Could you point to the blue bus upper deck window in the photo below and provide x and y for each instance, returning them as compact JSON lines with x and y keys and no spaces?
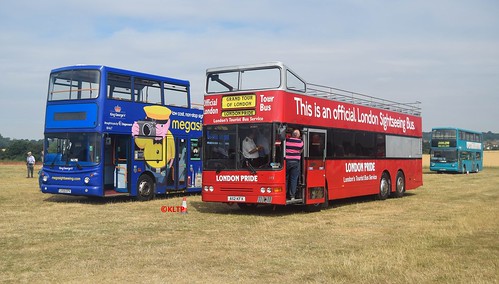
{"x":147,"y":91}
{"x":176,"y":95}
{"x":74,"y":85}
{"x":119,"y":87}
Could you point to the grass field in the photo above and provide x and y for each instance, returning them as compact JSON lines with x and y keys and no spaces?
{"x":446,"y":231}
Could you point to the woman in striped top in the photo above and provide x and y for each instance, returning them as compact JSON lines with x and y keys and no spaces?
{"x":294,"y":148}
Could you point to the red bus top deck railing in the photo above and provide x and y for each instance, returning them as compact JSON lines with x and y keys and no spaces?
{"x":317,"y":90}
{"x":361,"y":99}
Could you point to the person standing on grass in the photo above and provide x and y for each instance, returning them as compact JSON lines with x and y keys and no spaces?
{"x":294,"y":148}
{"x":30,"y":164}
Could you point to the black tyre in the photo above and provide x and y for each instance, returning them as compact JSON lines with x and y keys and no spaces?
{"x":385,"y":187}
{"x":325,"y":205}
{"x":145,"y":188}
{"x":318,"y":206}
{"x":399,"y":185}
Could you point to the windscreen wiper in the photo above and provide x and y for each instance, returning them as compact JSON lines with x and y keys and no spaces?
{"x":248,"y":164}
{"x":78,"y":165}
{"x":70,"y":159}
{"x":250,"y":167}
{"x":219,"y":168}
{"x":53,"y":163}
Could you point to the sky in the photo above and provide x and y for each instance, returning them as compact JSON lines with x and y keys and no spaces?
{"x":442,"y":53}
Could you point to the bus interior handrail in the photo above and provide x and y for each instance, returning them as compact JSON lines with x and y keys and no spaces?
{"x":197,"y":105}
{"x":74,"y":90}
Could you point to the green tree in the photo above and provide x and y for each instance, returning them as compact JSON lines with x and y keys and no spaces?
{"x":4,"y":142}
{"x":16,"y":150}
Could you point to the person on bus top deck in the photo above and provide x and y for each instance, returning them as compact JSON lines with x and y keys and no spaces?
{"x":294,"y":148}
{"x":250,"y":149}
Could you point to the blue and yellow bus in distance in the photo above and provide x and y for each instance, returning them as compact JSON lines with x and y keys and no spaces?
{"x":112,"y":132}
{"x":456,"y":150}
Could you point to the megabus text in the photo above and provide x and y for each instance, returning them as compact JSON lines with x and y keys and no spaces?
{"x":187,"y":126}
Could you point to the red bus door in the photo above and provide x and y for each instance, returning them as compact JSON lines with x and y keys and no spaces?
{"x":314,"y":165}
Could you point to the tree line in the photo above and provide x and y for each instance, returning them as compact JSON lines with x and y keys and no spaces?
{"x":17,"y":149}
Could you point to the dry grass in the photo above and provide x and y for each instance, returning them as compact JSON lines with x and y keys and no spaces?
{"x":446,"y":231}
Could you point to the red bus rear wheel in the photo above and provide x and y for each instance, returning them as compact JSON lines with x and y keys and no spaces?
{"x":399,"y":185}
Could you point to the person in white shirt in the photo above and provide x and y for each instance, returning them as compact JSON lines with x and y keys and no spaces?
{"x":250,"y":149}
{"x":30,"y":165}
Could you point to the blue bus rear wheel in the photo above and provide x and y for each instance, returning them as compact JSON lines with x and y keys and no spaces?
{"x":145,"y":188}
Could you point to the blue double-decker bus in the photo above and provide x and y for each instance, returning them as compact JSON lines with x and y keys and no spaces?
{"x":111,"y":132}
{"x":456,"y":150}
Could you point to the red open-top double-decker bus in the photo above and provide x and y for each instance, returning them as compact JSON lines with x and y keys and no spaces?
{"x":354,"y":144}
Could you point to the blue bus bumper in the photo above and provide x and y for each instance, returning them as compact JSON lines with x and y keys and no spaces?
{"x":451,"y":167}
{"x":73,"y":190}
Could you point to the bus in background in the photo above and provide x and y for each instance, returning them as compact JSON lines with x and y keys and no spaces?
{"x":354,"y":144}
{"x":456,"y":150}
{"x":112,"y":132}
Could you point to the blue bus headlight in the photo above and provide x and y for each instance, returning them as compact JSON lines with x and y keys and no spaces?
{"x":86,"y":180}
{"x":45,"y":177}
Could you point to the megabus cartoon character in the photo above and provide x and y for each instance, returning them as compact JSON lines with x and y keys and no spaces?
{"x":153,"y":136}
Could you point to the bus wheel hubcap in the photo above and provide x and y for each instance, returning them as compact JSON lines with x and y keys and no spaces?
{"x":384,"y":187}
{"x":400,"y":185}
{"x":144,"y":188}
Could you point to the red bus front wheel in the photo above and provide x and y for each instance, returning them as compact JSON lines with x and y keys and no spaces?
{"x":384,"y":187}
